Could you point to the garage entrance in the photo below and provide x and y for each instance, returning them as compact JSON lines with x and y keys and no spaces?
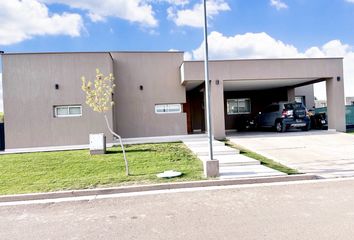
{"x":278,"y":77}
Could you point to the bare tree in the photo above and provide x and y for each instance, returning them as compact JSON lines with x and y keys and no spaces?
{"x":99,"y":98}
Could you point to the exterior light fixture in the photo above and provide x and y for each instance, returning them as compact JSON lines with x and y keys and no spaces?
{"x":338,"y":79}
{"x":217,"y":82}
{"x":56,"y":86}
{"x":141,"y":87}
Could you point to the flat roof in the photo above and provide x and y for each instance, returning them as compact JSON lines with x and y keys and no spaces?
{"x":90,"y":52}
{"x":261,"y":59}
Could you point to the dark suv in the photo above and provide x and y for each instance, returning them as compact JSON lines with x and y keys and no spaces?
{"x":285,"y":115}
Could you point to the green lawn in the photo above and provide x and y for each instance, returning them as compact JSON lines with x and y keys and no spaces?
{"x":52,"y":171}
{"x":264,"y":161}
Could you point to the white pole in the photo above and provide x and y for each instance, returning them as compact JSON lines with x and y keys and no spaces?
{"x":207,"y":84}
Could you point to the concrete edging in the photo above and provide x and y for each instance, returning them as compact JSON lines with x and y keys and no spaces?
{"x":153,"y":187}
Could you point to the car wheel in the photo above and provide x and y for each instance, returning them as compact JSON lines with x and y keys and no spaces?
{"x":279,"y":126}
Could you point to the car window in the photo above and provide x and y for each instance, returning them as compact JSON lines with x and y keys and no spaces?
{"x":292,"y":106}
{"x":271,"y":108}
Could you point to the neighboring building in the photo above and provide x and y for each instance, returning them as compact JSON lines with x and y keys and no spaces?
{"x":323,"y":103}
{"x":349,"y":101}
{"x":157,"y":94}
{"x":320,"y":103}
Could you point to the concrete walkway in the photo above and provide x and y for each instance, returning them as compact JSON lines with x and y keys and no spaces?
{"x":233,"y":165}
{"x":327,"y":154}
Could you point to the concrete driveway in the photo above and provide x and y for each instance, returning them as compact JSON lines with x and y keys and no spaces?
{"x":327,"y":154}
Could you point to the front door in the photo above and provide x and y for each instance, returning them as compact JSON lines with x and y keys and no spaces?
{"x":195,"y":111}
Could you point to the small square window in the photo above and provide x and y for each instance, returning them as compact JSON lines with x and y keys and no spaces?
{"x":62,"y":111}
{"x":75,"y":110}
{"x":168,"y":108}
{"x":67,"y":111}
{"x":238,"y":106}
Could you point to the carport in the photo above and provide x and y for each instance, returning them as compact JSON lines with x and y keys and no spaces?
{"x":278,"y":76}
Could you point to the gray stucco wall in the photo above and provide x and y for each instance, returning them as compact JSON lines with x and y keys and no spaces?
{"x":308,"y":92}
{"x":134,"y":111}
{"x":29,"y":96}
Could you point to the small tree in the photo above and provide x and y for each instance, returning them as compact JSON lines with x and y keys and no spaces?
{"x":99,"y":98}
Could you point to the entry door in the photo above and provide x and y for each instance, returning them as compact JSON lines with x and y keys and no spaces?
{"x":196,"y":119}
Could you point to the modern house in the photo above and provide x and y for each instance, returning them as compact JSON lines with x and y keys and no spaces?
{"x":157,"y":94}
{"x":349,"y":101}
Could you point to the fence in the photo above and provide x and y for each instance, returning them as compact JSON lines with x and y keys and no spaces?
{"x":349,"y":114}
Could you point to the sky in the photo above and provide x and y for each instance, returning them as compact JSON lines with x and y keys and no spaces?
{"x":238,"y":29}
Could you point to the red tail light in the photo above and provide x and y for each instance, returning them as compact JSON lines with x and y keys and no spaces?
{"x":284,"y":114}
{"x":287,"y":113}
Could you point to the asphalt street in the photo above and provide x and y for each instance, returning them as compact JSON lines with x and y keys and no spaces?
{"x":313,"y":210}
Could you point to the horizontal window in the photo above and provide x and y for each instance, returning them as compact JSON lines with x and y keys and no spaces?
{"x":238,"y":106}
{"x":168,"y":108}
{"x":68,"y":111}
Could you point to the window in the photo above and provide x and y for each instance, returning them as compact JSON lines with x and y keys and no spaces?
{"x":238,"y":106}
{"x":271,"y":108}
{"x":67,"y":111}
{"x":168,"y":108}
{"x":300,"y":99}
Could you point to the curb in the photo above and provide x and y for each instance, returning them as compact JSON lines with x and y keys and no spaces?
{"x":154,"y":187}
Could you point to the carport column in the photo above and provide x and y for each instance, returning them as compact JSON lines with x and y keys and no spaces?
{"x":291,"y":94}
{"x":335,"y":103}
{"x":217,"y":104}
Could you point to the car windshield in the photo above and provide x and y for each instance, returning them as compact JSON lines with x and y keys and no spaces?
{"x":292,"y":106}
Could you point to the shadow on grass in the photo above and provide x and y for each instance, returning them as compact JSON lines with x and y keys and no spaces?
{"x":154,"y":174}
{"x":130,"y":151}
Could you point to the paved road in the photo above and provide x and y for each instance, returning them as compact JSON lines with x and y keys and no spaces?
{"x":297,"y":211}
{"x":325,"y":153}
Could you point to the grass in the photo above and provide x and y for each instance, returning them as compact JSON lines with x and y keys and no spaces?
{"x":264,"y":161}
{"x":53,"y":171}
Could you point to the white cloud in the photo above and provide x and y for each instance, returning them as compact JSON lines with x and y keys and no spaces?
{"x":350,"y":1}
{"x":261,"y":45}
{"x":173,"y":2}
{"x":278,"y":4}
{"x":194,"y":17}
{"x":138,"y":11}
{"x":249,"y":45}
{"x":21,"y":20}
{"x":187,"y":56}
{"x":336,"y":48}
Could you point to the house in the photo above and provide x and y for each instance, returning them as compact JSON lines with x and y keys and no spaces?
{"x":349,"y":101}
{"x":320,"y":103}
{"x":157,"y":94}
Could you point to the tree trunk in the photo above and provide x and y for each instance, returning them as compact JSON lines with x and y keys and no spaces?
{"x":121,"y":144}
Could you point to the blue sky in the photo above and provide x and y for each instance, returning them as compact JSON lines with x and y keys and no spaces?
{"x":237,"y":28}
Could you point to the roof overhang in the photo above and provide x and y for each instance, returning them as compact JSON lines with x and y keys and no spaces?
{"x":246,"y":75}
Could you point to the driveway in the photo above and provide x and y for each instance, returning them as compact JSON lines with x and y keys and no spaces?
{"x":327,"y":154}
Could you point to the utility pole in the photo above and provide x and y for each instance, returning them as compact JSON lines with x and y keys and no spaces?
{"x":207,"y":83}
{"x":211,"y":166}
